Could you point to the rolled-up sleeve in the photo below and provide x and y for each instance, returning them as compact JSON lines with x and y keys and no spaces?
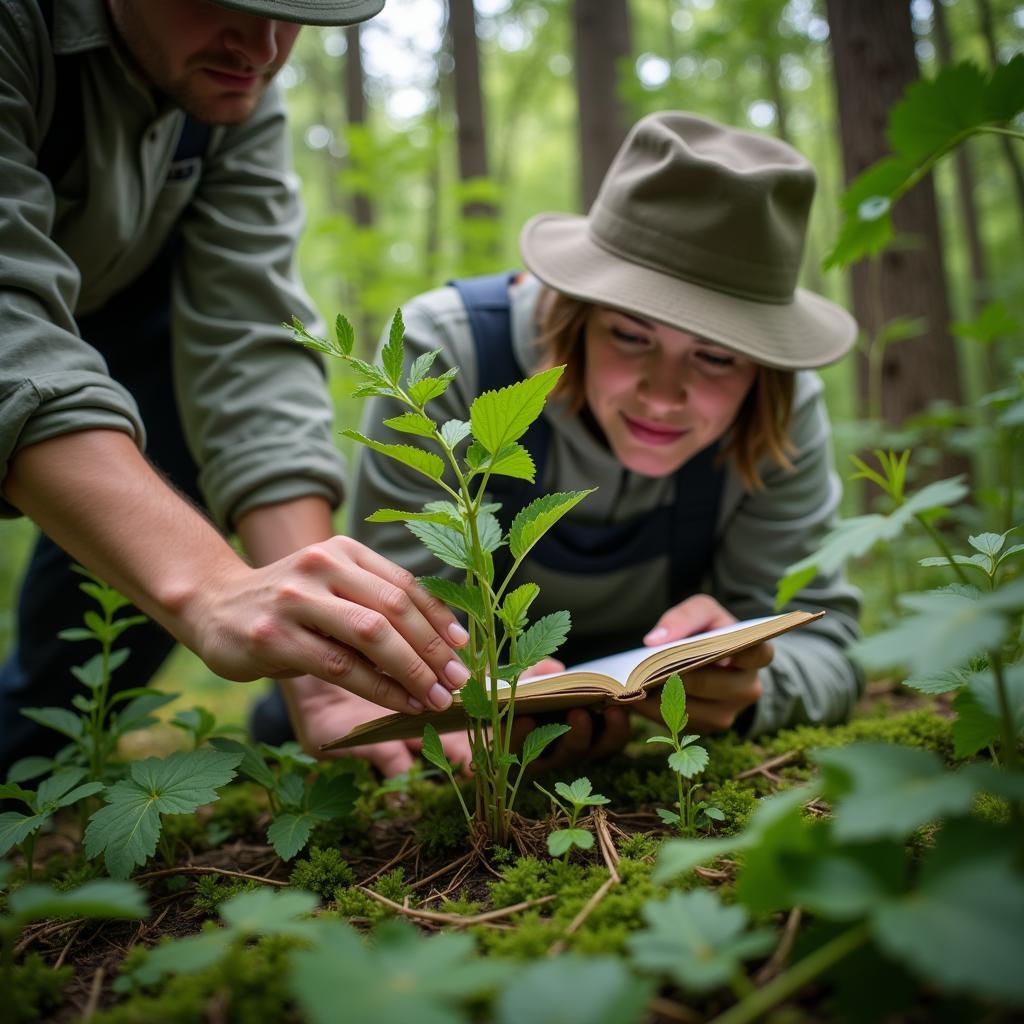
{"x":51,"y":382}
{"x":810,"y":679}
{"x":255,"y":406}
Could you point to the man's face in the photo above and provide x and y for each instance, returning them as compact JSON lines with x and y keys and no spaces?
{"x":213,"y":63}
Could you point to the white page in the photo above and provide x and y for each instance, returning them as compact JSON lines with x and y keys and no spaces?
{"x":618,"y":666}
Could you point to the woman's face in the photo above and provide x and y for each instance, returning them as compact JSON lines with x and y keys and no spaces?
{"x":660,"y":395}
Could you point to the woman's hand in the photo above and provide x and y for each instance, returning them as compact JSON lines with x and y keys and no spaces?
{"x":715,"y":694}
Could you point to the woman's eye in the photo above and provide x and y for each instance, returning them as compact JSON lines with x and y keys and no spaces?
{"x":624,"y":336}
{"x":716,"y":360}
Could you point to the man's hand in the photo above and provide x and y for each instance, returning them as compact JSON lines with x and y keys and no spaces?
{"x":715,"y":694}
{"x":321,"y":713}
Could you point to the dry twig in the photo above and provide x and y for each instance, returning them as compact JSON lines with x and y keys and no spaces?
{"x":394,"y":860}
{"x":457,"y":920}
{"x":777,"y":961}
{"x":201,"y":869}
{"x":674,"y":1011}
{"x":765,"y":768}
{"x":94,"y":993}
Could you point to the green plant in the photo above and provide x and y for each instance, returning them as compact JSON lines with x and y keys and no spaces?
{"x":322,"y":872}
{"x":688,"y":760}
{"x":298,"y":800}
{"x":100,"y":723}
{"x":126,"y":830}
{"x":61,"y":789}
{"x":579,"y":796}
{"x":463,"y":532}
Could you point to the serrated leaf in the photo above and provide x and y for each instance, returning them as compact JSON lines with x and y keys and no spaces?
{"x":429,"y":388}
{"x":573,"y":990}
{"x":392,"y":354}
{"x":427,"y":463}
{"x":936,"y":682}
{"x":884,"y":791}
{"x":1005,"y":89}
{"x":397,"y":515}
{"x":974,"y":728}
{"x":433,"y":751}
{"x":543,"y":638}
{"x":458,"y":595}
{"x":345,"y":334}
{"x":980,"y":713}
{"x":445,"y":543}
{"x":412,"y":423}
{"x":517,"y":603}
{"x":291,"y":790}
{"x":537,"y":740}
{"x":289,"y":832}
{"x":251,"y":766}
{"x":455,"y":432}
{"x":988,"y":543}
{"x":861,"y":235}
{"x":15,"y":828}
{"x":514,"y":461}
{"x":696,"y":940}
{"x":125,"y":831}
{"x":137,"y":713}
{"x":532,"y":522}
{"x":421,"y":366}
{"x":689,"y":761}
{"x":576,"y":793}
{"x":474,"y":699}
{"x":501,"y":417}
{"x":331,"y":797}
{"x":565,"y":839}
{"x":673,"y":704}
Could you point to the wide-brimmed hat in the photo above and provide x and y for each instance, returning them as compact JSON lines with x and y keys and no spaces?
{"x":701,"y":227}
{"x":308,"y":12}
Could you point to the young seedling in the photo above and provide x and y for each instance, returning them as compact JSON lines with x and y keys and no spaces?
{"x":101,"y":722}
{"x":462,"y":531}
{"x":578,"y":796}
{"x":688,"y":759}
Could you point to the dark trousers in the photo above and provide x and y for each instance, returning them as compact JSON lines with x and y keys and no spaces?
{"x":132,"y":332}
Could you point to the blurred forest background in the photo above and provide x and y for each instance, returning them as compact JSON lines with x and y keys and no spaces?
{"x":425,"y":138}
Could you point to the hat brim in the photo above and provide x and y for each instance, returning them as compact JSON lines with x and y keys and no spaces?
{"x":308,"y":12}
{"x":808,"y":332}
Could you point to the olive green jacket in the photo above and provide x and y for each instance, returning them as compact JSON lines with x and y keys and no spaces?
{"x":254,"y":406}
{"x":758,"y":534}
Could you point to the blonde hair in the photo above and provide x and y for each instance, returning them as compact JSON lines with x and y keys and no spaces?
{"x":761,"y":428}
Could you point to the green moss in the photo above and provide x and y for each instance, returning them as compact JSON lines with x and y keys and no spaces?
{"x":992,"y":808}
{"x":525,"y":879}
{"x":38,"y":990}
{"x":211,"y":891}
{"x":737,"y":802}
{"x":640,"y":846}
{"x":461,"y":905}
{"x":393,"y":885}
{"x":322,"y":872}
{"x":442,"y":829}
{"x":351,"y":903}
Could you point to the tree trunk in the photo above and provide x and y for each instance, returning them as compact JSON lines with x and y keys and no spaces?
{"x":874,"y":62}
{"x":355,"y":107}
{"x":602,"y":41}
{"x":1012,"y":162}
{"x":478,"y":246}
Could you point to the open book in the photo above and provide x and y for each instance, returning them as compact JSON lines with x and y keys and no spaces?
{"x":617,"y":679}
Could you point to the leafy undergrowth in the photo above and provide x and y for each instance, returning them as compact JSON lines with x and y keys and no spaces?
{"x":403,"y":854}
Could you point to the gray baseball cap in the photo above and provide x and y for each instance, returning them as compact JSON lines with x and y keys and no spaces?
{"x":308,"y":12}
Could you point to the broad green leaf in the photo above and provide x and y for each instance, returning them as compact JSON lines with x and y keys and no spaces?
{"x":573,"y":990}
{"x":183,"y":956}
{"x":421,"y":366}
{"x":989,"y":543}
{"x":689,"y":761}
{"x":455,"y":432}
{"x":125,"y":831}
{"x":474,"y":699}
{"x":1005,"y":89}
{"x":412,"y":423}
{"x":251,"y":765}
{"x":884,"y":791}
{"x":515,"y":461}
{"x":27,"y":768}
{"x":537,"y":740}
{"x":433,"y":751}
{"x":979,"y":712}
{"x":543,"y":638}
{"x":936,"y":682}
{"x":15,"y":828}
{"x":673,"y":704}
{"x":12,"y":791}
{"x":291,"y":790}
{"x":101,"y":898}
{"x":667,"y":740}
{"x":532,"y":522}
{"x":427,"y":463}
{"x":391,"y":355}
{"x":669,"y":817}
{"x":971,"y":561}
{"x":863,"y":231}
{"x":974,"y":728}
{"x":397,"y":515}
{"x":458,"y":595}
{"x":577,"y":793}
{"x":429,"y":388}
{"x":404,"y":976}
{"x":565,"y":839}
{"x":961,"y":930}
{"x":59,"y":719}
{"x":138,"y":713}
{"x":270,"y":911}
{"x":696,"y":940}
{"x":517,"y":603}
{"x":443,"y":542}
{"x":289,"y":832}
{"x":332,"y":797}
{"x":501,"y":417}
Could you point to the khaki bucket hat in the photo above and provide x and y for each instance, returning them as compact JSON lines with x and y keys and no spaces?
{"x":308,"y":12}
{"x":700,"y":227}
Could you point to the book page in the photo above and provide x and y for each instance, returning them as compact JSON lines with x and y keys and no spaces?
{"x":619,"y":666}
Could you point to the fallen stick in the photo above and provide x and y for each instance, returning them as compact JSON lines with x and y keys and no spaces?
{"x":457,"y":920}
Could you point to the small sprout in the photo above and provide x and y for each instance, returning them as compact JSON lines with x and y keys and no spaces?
{"x":578,"y":795}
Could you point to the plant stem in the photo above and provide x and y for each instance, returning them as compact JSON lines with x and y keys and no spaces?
{"x":758,"y":1003}
{"x":944,"y":548}
{"x":1005,"y":712}
{"x":29,"y":850}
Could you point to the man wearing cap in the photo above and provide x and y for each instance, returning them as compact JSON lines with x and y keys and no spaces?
{"x":148,"y":224}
